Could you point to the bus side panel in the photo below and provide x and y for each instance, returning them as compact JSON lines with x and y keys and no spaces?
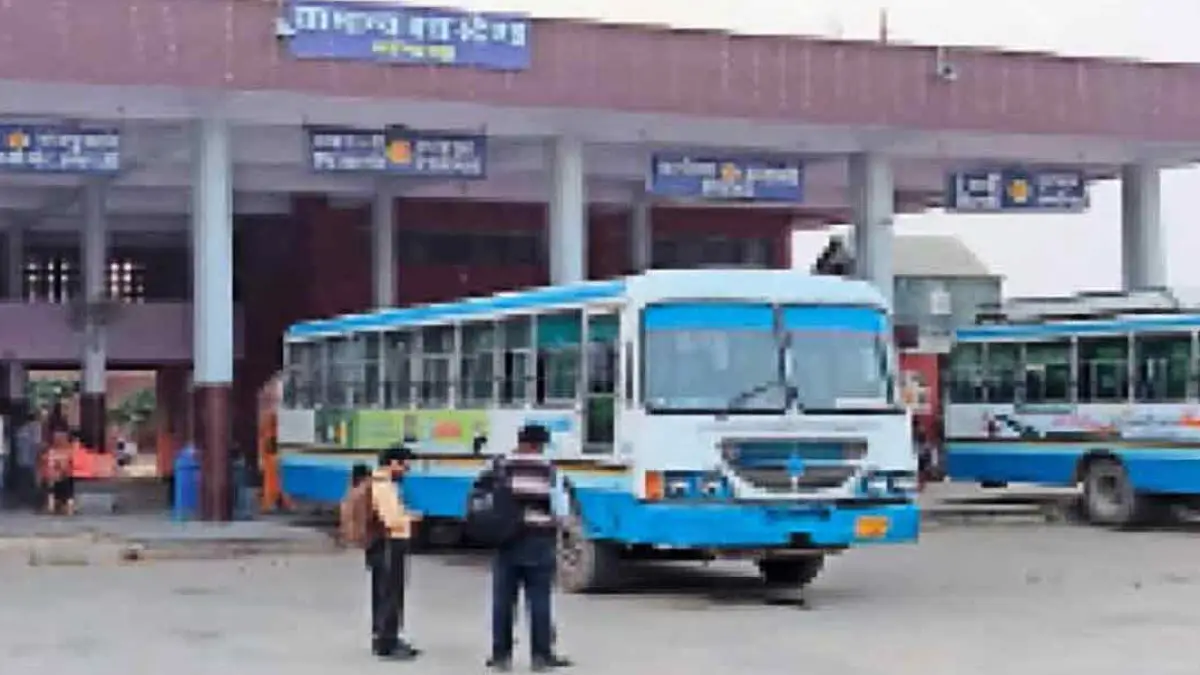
{"x":1163,"y":470}
{"x":1013,"y":462}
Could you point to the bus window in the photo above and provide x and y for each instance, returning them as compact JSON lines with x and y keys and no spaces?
{"x":516,"y":373}
{"x":301,"y":375}
{"x":966,"y":373}
{"x":1000,"y":377}
{"x":1103,"y":369}
{"x":437,"y":350}
{"x":476,"y":365}
{"x":558,"y":338}
{"x":601,"y":387}
{"x":372,"y":395}
{"x":347,"y":357}
{"x":1048,"y":372}
{"x":397,"y":383}
{"x":1163,"y":366}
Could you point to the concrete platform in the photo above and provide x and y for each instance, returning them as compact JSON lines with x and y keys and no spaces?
{"x":88,"y":540}
{"x":965,"y":503}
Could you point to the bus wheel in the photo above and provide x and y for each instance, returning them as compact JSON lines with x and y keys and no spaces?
{"x":1109,"y":498}
{"x":797,"y":572}
{"x":585,"y":565}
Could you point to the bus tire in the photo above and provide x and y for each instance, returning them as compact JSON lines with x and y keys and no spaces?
{"x":794,"y":572}
{"x":1110,"y":500}
{"x":586,"y":565}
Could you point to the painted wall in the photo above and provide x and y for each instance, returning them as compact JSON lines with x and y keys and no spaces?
{"x":151,"y":333}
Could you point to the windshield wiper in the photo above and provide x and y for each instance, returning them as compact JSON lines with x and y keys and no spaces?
{"x":738,"y":399}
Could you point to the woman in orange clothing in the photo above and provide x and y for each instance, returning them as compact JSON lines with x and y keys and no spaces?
{"x":58,"y":474}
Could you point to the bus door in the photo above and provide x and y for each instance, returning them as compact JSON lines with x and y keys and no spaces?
{"x":600,"y":360}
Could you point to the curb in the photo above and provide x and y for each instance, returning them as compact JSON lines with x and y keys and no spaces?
{"x":93,"y":551}
{"x":1032,"y":513}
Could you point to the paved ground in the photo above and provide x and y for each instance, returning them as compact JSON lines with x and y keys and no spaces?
{"x":1023,"y":600}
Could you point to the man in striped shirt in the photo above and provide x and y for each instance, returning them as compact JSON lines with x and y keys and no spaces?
{"x":528,"y":560}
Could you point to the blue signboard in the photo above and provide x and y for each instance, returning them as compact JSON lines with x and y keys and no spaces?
{"x":690,"y":177}
{"x":51,"y":149}
{"x":393,"y":33}
{"x":400,"y":152}
{"x":994,"y":190}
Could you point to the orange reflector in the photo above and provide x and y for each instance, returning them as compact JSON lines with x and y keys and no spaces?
{"x":654,"y":485}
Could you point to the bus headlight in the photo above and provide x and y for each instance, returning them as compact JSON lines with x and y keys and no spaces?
{"x":677,"y":489}
{"x":713,"y":488}
{"x":903,"y":483}
{"x":876,"y":484}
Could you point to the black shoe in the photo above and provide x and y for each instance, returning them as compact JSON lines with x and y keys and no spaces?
{"x":500,"y":664}
{"x":401,"y":651}
{"x":548,"y":663}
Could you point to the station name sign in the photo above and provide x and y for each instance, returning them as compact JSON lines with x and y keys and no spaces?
{"x":394,"y":33}
{"x":50,"y":149}
{"x":399,"y":152}
{"x":1018,"y":189}
{"x":683,"y":176}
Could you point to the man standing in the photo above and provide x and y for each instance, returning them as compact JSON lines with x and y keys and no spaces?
{"x":527,"y":559}
{"x":388,"y":529}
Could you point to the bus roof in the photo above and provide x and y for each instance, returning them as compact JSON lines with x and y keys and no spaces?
{"x":1111,"y":326}
{"x":764,"y":285}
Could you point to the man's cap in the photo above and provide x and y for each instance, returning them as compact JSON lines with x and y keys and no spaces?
{"x":534,"y":434}
{"x":396,"y":453}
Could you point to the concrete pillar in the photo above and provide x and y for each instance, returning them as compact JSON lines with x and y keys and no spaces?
{"x":14,"y":264}
{"x":93,"y":422}
{"x":641,"y":234}
{"x":212,"y":324}
{"x":872,"y":200}
{"x":14,"y":284}
{"x":1143,"y":260}
{"x":568,"y":212}
{"x":383,"y":247}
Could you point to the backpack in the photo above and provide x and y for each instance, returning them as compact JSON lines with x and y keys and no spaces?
{"x":354,"y":517}
{"x":494,"y":518}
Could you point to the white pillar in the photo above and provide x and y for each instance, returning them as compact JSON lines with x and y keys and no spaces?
{"x":568,"y":212}
{"x":1143,"y":261}
{"x":95,"y":288}
{"x":383,"y":247}
{"x":872,"y":200}
{"x":212,"y":255}
{"x":641,"y":234}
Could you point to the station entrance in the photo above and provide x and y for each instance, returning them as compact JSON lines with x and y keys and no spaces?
{"x":245,"y":193}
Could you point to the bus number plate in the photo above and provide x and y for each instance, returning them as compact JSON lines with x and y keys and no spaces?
{"x":870,"y":527}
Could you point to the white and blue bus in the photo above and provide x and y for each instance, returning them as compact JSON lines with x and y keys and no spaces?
{"x":1098,"y":390}
{"x":697,"y":414}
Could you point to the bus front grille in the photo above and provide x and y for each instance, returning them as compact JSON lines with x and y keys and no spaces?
{"x":792,"y":465}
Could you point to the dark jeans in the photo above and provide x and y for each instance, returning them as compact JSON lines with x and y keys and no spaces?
{"x":386,"y":559}
{"x":527,"y":563}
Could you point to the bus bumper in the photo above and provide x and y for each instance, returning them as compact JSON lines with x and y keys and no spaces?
{"x":758,"y":526}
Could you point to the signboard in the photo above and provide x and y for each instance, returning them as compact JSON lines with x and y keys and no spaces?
{"x":692,"y":177}
{"x":994,"y":190}
{"x":51,"y":149}
{"x":394,"y":33}
{"x":399,"y":152}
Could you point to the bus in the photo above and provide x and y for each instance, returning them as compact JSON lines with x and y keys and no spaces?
{"x":693,"y":413}
{"x":1098,"y":390}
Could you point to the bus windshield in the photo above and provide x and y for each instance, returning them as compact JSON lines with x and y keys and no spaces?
{"x":703,"y":357}
{"x":837,"y":357}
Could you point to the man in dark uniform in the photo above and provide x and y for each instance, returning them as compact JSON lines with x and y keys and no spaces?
{"x":527,"y":561}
